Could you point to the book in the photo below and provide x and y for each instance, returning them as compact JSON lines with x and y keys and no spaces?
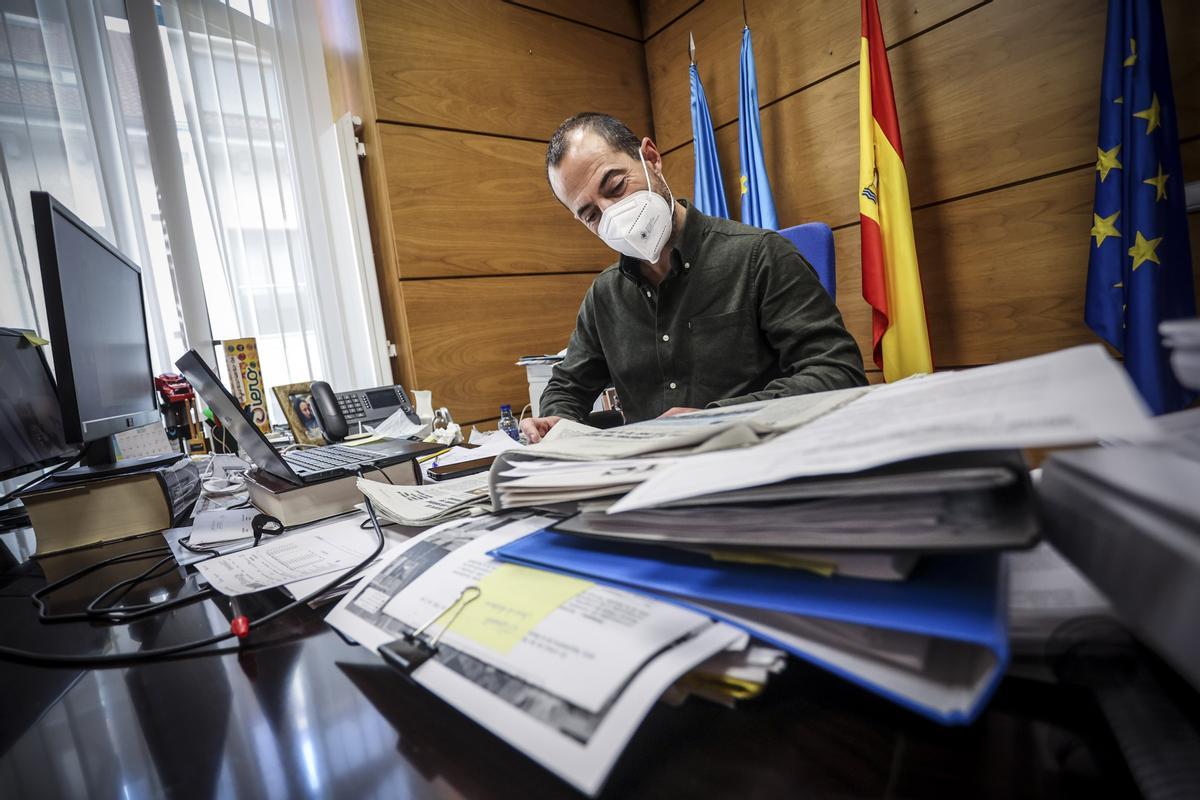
{"x":69,"y":514}
{"x":296,"y":505}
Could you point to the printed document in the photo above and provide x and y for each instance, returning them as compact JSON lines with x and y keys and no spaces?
{"x":631,"y":647}
{"x":322,"y":549}
{"x":218,"y":526}
{"x":1073,"y":396}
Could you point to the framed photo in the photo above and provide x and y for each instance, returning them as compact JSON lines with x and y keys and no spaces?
{"x":296,"y":401}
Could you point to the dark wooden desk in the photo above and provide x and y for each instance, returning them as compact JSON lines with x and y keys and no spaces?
{"x":301,"y":713}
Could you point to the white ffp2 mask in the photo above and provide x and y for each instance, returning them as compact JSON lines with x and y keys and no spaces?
{"x":638,"y":225}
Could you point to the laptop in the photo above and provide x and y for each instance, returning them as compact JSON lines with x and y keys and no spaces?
{"x":298,"y":467}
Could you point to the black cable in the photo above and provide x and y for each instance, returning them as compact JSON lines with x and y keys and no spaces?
{"x":379,"y":469}
{"x":239,"y":627}
{"x":8,"y":498}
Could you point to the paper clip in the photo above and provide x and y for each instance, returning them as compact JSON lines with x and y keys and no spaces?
{"x":411,"y":651}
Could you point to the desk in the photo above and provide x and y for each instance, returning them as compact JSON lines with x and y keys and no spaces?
{"x":302,"y":713}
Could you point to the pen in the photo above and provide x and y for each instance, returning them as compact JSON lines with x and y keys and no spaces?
{"x":434,"y":456}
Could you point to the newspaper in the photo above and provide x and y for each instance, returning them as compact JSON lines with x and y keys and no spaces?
{"x":424,"y":505}
{"x":562,"y":669}
{"x":1075,"y":396}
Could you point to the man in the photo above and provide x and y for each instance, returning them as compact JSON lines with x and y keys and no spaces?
{"x":698,"y":311}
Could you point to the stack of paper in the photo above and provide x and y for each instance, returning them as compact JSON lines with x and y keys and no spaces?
{"x":428,"y":504}
{"x":918,"y":467}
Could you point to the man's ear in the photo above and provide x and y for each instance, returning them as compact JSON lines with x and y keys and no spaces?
{"x":651,"y":154}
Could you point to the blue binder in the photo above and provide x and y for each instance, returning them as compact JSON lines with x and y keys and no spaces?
{"x":957,"y":599}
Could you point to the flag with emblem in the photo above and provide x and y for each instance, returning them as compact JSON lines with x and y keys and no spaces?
{"x":1140,"y":267}
{"x":758,"y":206}
{"x":890,"y":278}
{"x":709,"y":193}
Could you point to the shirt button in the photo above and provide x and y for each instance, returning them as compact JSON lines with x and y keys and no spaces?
{"x":687,"y":265}
{"x":672,"y":384}
{"x":666,"y":338}
{"x":647,"y":294}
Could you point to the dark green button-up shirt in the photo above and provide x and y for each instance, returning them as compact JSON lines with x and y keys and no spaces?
{"x":741,"y":316}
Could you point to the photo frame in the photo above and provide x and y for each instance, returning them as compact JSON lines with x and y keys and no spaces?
{"x":296,"y":401}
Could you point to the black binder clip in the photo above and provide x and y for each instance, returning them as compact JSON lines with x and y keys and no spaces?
{"x":411,"y":651}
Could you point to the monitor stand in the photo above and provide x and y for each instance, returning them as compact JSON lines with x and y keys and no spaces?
{"x":100,"y":461}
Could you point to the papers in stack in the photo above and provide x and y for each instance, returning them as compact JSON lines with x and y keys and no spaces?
{"x":983,"y":501}
{"x":1074,"y":396}
{"x":561,"y":668}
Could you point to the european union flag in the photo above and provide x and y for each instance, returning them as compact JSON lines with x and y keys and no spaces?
{"x":758,"y":206}
{"x":709,"y":193}
{"x":1140,"y":269}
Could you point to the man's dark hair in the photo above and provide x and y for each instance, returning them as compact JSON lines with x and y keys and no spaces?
{"x":611,"y":129}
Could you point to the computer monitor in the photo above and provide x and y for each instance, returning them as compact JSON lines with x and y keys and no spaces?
{"x":31,"y":428}
{"x":97,"y":327}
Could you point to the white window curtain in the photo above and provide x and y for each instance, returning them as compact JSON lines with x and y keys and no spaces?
{"x":188,"y":132}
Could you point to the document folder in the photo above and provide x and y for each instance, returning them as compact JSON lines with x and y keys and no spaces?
{"x":936,"y":643}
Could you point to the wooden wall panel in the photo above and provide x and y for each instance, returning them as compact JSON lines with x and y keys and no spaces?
{"x":796,"y":42}
{"x":484,"y":65}
{"x":464,"y":204}
{"x":980,"y":130}
{"x":467,"y":333}
{"x":616,"y":16}
{"x":657,"y":14}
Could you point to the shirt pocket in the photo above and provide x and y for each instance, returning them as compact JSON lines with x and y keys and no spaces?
{"x":723,"y":356}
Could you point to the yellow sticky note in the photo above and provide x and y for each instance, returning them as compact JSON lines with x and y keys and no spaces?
{"x":34,"y":339}
{"x":512,"y":601}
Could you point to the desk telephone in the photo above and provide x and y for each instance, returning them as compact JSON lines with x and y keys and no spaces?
{"x":336,"y":410}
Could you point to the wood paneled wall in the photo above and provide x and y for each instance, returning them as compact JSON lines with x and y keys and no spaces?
{"x":477,"y":262}
{"x":998,"y":113}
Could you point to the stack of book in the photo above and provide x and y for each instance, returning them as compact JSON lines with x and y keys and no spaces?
{"x":861,"y":530}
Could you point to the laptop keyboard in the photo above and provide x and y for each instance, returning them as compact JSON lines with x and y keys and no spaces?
{"x":317,"y":459}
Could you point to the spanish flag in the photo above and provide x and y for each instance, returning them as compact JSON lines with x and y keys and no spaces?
{"x":890,"y":278}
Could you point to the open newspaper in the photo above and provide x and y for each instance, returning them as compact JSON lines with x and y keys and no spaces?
{"x":1074,"y":396}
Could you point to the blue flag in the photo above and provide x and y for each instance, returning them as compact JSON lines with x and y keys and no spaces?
{"x":709,"y":194}
{"x":758,"y":206}
{"x":1140,"y":268}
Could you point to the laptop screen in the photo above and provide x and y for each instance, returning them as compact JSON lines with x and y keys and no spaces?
{"x":225,"y":406}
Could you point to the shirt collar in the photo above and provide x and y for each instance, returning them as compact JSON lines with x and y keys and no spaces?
{"x":695,"y":225}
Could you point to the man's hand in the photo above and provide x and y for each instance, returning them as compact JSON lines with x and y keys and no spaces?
{"x":535,"y":428}
{"x":670,"y":412}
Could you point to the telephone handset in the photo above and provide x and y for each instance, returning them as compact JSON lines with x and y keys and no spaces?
{"x":337,"y":410}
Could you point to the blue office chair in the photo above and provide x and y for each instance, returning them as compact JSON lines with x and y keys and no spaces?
{"x":814,"y":240}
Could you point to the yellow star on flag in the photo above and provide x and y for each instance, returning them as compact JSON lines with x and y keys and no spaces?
{"x":1159,"y":183}
{"x":1106,"y":160}
{"x":1150,"y":114}
{"x":1120,"y":101}
{"x":1143,"y":250}
{"x":745,"y":185}
{"x":1132,"y":59}
{"x":1103,"y":227}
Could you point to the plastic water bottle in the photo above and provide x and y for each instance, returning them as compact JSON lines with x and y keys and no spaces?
{"x":508,"y":424}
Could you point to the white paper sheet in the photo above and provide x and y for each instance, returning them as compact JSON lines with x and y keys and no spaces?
{"x":1073,"y":396}
{"x":319,"y":550}
{"x":219,"y":526}
{"x":398,"y":426}
{"x":583,"y":651}
{"x":578,"y":745}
